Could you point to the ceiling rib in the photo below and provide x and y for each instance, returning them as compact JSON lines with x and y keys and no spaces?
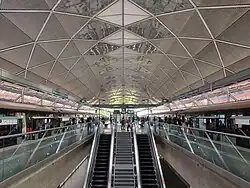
{"x":179,"y":42}
{"x":211,"y":35}
{"x":37,"y":37}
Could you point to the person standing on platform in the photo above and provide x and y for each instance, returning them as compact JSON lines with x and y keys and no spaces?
{"x":128,"y":124}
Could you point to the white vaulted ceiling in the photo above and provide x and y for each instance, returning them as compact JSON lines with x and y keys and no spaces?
{"x":116,"y":49}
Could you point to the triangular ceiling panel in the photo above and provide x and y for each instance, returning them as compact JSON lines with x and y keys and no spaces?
{"x":53,"y":48}
{"x":179,"y":61}
{"x":240,"y":65}
{"x":220,"y":2}
{"x":69,"y":62}
{"x":70,"y":78}
{"x":28,"y":4}
{"x":51,"y":3}
{"x":79,"y":69}
{"x":176,"y":22}
{"x":102,"y":49}
{"x":224,"y":18}
{"x":177,"y":49}
{"x":53,"y":30}
{"x":190,"y":78}
{"x":70,"y":50}
{"x":144,"y":48}
{"x":96,"y":30}
{"x":92,"y":59}
{"x":42,"y":70}
{"x":209,"y":54}
{"x":11,"y":67}
{"x":178,"y":80}
{"x":236,"y":33}
{"x":18,"y":56}
{"x":29,"y":23}
{"x":58,"y":69}
{"x":199,"y":31}
{"x":85,"y":8}
{"x":215,"y":76}
{"x":131,"y":13}
{"x":40,"y":56}
{"x":70,"y":23}
{"x":58,"y":79}
{"x":228,"y":53}
{"x":119,"y":53}
{"x":164,"y":6}
{"x":11,"y":35}
{"x":206,"y":69}
{"x":167,"y":66}
{"x":150,"y":29}
{"x":190,"y":68}
{"x":194,"y":46}
{"x":123,"y":37}
{"x":163,"y":44}
{"x":84,"y":45}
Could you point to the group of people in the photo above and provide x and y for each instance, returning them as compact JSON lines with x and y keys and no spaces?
{"x":127,"y":122}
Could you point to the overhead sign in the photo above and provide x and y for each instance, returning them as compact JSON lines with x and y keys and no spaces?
{"x":83,"y":101}
{"x":242,"y":121}
{"x":116,"y":111}
{"x":8,"y":121}
{"x":123,"y":110}
{"x":164,"y":100}
{"x":59,"y":94}
{"x":130,"y":112}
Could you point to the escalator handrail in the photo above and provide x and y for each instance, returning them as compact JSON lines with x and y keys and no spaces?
{"x":138,"y":172}
{"x":157,"y":159}
{"x":73,"y":172}
{"x":91,"y":158}
{"x":111,"y":156}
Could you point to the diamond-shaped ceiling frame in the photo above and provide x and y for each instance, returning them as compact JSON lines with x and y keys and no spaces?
{"x":123,"y":13}
{"x":173,"y":45}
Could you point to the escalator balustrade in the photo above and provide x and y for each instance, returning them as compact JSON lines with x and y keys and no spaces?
{"x":101,"y":167}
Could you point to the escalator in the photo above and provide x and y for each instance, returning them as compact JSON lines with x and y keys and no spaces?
{"x":147,"y":167}
{"x":99,"y":177}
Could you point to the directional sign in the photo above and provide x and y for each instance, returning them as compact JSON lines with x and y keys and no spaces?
{"x":164,"y":100}
{"x":130,"y":112}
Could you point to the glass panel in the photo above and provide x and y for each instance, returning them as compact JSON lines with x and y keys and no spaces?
{"x":16,"y":151}
{"x":20,"y":151}
{"x":220,"y":149}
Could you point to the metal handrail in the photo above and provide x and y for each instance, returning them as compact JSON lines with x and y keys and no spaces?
{"x":138,"y":172}
{"x":215,"y":132}
{"x":34,"y":132}
{"x":91,"y":158}
{"x":73,"y":172}
{"x":111,"y":156}
{"x":163,"y":185}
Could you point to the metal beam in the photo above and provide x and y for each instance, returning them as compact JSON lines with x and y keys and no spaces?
{"x":124,"y":105}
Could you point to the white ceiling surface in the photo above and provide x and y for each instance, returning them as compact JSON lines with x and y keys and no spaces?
{"x":159,"y":48}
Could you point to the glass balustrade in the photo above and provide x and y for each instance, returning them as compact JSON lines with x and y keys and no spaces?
{"x":216,"y":147}
{"x":20,"y":151}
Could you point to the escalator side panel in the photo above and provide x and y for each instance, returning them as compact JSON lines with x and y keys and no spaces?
{"x":147,"y":169}
{"x":101,"y":167}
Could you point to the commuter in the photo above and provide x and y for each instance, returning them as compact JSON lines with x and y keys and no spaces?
{"x":165,"y":119}
{"x":89,"y":119}
{"x":128,"y":124}
{"x":110,"y":119}
{"x":122,"y":123}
